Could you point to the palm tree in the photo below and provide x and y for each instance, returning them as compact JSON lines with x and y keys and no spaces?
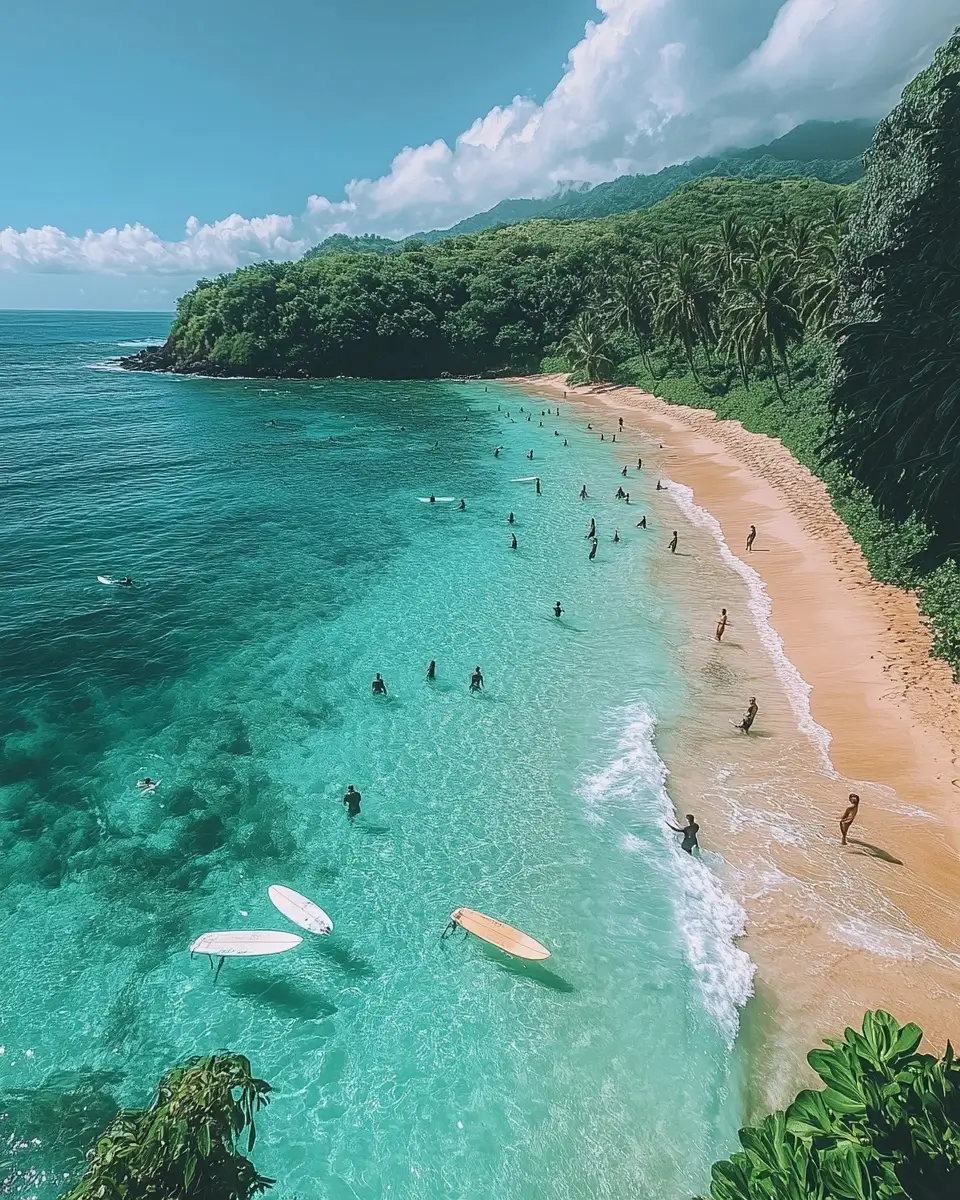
{"x":685,"y":311}
{"x":725,"y":256}
{"x":762,"y":319}
{"x":587,"y":347}
{"x":760,"y":242}
{"x":185,"y":1145}
{"x":631,"y":308}
{"x":821,"y":290}
{"x":799,"y":248}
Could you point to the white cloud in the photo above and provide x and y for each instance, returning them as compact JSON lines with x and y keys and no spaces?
{"x":652,"y":82}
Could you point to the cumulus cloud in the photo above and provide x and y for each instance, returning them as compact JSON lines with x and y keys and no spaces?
{"x":652,"y":82}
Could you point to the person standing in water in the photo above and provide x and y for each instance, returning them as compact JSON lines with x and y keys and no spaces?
{"x":592,"y":531}
{"x":639,"y":464}
{"x":749,"y":716}
{"x":530,"y":455}
{"x":351,"y":802}
{"x":583,"y":492}
{"x":624,"y":472}
{"x":538,"y":485}
{"x":660,"y":487}
{"x":621,"y":424}
{"x":722,"y":625}
{"x":462,"y":505}
{"x":593,"y":551}
{"x":510,"y":519}
{"x":378,"y":687}
{"x":616,"y":535}
{"x":751,"y":537}
{"x":689,"y":831}
{"x":557,"y":610}
{"x":432,"y":669}
{"x":513,"y":541}
{"x":642,"y":523}
{"x":476,"y":680}
{"x":673,"y":543}
{"x":849,"y":816}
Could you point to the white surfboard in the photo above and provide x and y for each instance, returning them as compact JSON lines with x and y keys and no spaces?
{"x":105,"y":579}
{"x":526,"y":479}
{"x":299,"y":909}
{"x":436,"y":500}
{"x":242,"y":942}
{"x":149,"y":788}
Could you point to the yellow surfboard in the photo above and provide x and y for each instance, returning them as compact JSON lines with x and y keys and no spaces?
{"x":499,"y":934}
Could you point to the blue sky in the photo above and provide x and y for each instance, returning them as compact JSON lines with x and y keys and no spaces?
{"x":146,"y":145}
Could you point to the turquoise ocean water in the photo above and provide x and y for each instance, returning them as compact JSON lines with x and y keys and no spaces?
{"x":281,"y":558}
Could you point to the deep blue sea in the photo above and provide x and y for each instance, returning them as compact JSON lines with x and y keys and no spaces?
{"x":281,"y":557}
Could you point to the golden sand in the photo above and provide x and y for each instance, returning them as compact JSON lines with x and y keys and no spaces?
{"x":833,"y":930}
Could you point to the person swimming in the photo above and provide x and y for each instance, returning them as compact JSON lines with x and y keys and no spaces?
{"x":510,"y":519}
{"x":530,"y":454}
{"x":378,"y":687}
{"x":557,"y":610}
{"x":126,"y":581}
{"x":749,"y":716}
{"x":689,"y":831}
{"x":556,"y":433}
{"x":642,"y":523}
{"x":476,"y":680}
{"x":496,"y":452}
{"x":616,"y":535}
{"x":351,"y":802}
{"x":722,"y":625}
{"x":592,"y":531}
{"x":593,"y":551}
{"x":619,"y":494}
{"x":564,"y":441}
{"x":673,"y":543}
{"x":462,"y":506}
{"x":624,"y":472}
{"x":147,"y":784}
{"x":513,"y":541}
{"x":432,"y":669}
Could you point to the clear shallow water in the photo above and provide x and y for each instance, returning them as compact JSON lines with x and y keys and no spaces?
{"x":279,"y":566}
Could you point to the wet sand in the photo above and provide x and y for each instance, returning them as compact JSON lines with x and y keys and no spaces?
{"x":833,"y":930}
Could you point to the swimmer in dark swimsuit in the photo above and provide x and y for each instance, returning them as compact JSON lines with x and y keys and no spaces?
{"x":616,"y":535}
{"x":592,"y":531}
{"x":583,"y":492}
{"x":642,"y":523}
{"x":689,"y":831}
{"x":619,"y":494}
{"x":378,"y":687}
{"x":476,"y":681}
{"x":432,"y":669}
{"x":624,"y":471}
{"x":530,"y":455}
{"x":513,"y":541}
{"x":538,"y":485}
{"x":749,"y":716}
{"x":496,"y":453}
{"x":593,"y":551}
{"x":673,"y":543}
{"x":621,"y":423}
{"x":511,"y":519}
{"x":462,"y":505}
{"x":351,"y":802}
{"x":433,"y":499}
{"x":557,"y":610}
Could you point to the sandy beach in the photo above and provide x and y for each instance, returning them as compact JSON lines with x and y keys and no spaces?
{"x":833,"y":930}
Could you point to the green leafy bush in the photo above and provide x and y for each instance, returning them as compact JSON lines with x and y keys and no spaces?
{"x":885,"y":1127}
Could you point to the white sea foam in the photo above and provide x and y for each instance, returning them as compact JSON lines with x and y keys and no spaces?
{"x":157,"y":341}
{"x":708,"y":919}
{"x":796,"y":687}
{"x":882,"y":938}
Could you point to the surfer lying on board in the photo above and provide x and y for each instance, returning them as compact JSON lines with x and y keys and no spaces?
{"x":378,"y":687}
{"x":147,"y":784}
{"x":689,"y":831}
{"x":126,"y":581}
{"x":749,"y":716}
{"x":351,"y":802}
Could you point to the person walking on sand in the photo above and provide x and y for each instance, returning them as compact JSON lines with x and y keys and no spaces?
{"x":751,"y":537}
{"x":722,"y":625}
{"x":621,"y":424}
{"x":749,"y":716}
{"x":849,"y":816}
{"x":351,"y":802}
{"x":689,"y":831}
{"x":673,"y":543}
{"x":639,"y":464}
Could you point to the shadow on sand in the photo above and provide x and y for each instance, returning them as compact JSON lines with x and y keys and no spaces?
{"x":870,"y":851}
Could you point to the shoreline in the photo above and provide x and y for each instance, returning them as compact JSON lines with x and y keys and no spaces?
{"x":873,"y":920}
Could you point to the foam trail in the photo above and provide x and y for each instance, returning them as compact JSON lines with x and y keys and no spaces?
{"x":761,"y":609}
{"x":708,"y":919}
